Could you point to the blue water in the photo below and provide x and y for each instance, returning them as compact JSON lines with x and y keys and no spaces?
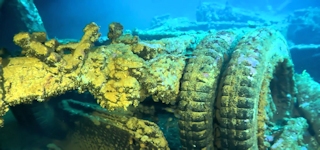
{"x":72,"y":15}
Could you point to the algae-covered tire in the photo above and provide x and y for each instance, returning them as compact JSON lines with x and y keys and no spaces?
{"x":39,"y":117}
{"x":197,"y":91}
{"x":259,"y":75}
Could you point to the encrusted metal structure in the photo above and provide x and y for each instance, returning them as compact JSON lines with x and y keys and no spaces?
{"x":229,"y":92}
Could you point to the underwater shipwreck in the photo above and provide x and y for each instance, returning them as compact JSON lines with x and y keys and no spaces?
{"x":203,"y":85}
